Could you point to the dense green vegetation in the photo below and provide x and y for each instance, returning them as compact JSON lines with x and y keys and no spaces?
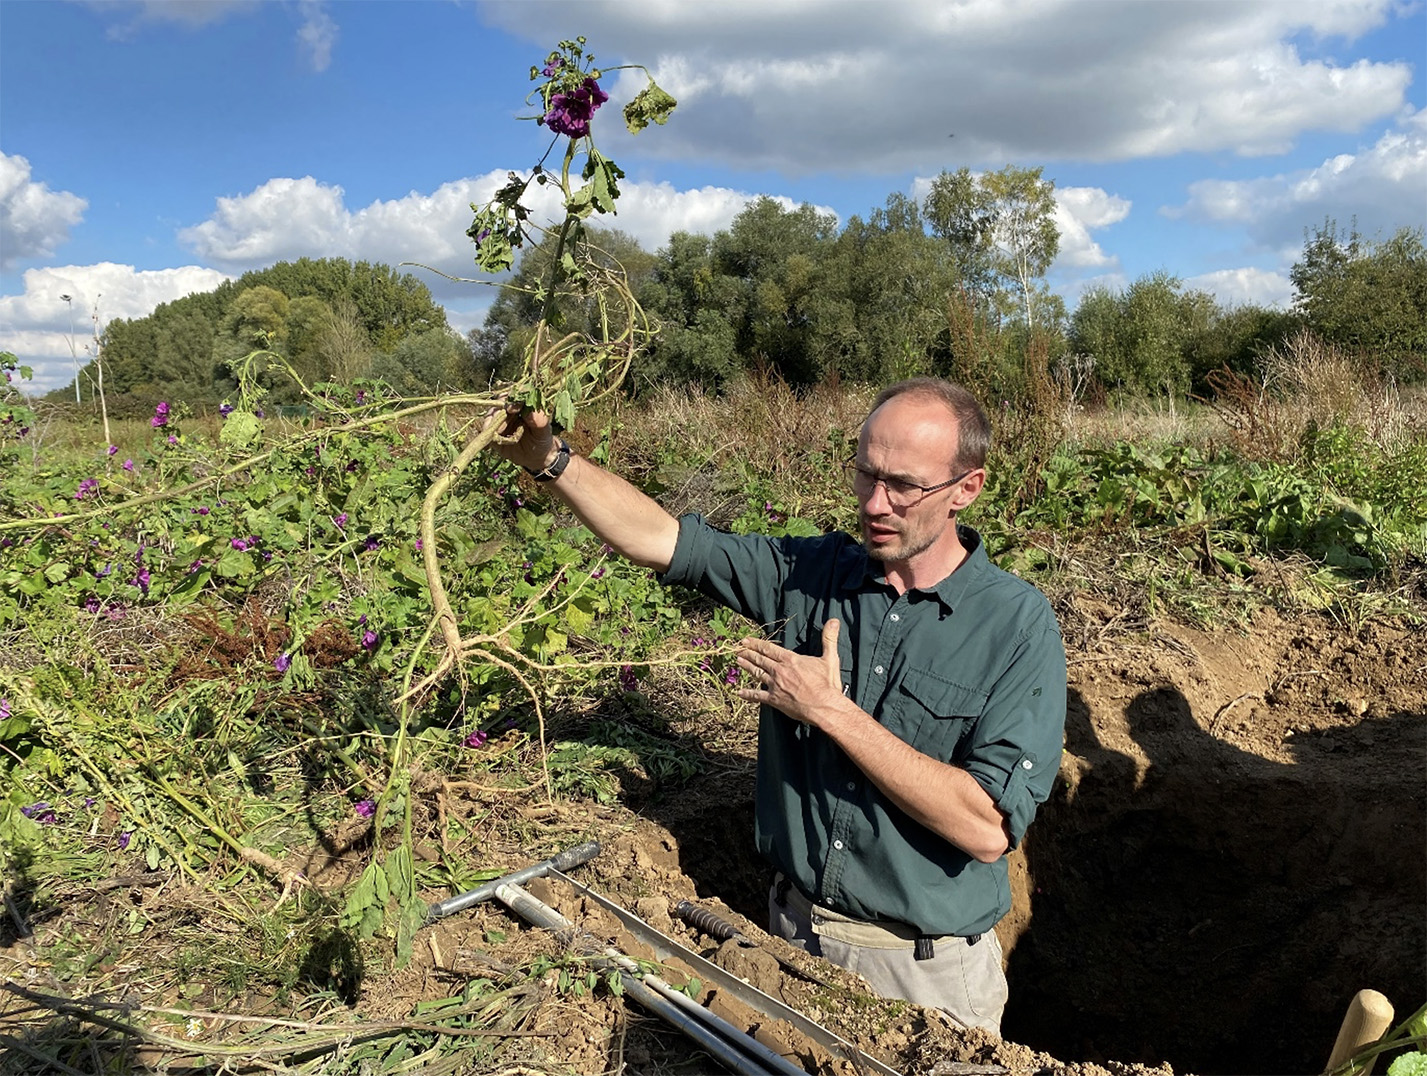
{"x":331,"y":319}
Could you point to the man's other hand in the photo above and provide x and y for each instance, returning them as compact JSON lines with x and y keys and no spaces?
{"x":805,"y":688}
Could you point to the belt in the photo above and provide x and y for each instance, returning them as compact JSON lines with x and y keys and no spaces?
{"x":869,"y":933}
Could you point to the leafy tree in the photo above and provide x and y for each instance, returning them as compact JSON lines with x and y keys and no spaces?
{"x":1140,"y":338}
{"x":1001,"y":226}
{"x":1366,"y":295}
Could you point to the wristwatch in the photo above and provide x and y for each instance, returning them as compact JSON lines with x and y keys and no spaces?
{"x":556,"y":467}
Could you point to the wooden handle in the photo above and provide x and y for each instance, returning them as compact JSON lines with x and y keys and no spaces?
{"x":1369,"y":1016}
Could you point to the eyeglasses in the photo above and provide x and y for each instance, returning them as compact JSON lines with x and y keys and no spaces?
{"x":900,"y":492}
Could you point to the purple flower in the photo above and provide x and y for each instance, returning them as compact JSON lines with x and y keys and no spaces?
{"x":128,"y":465}
{"x":124,"y":840}
{"x":341,"y":521}
{"x":598,"y":573}
{"x":172,"y":439}
{"x":553,"y":66}
{"x":281,"y":662}
{"x":704,"y":666}
{"x":699,"y":640}
{"x":369,"y":640}
{"x":373,"y":545}
{"x":102,"y":572}
{"x":418,"y":545}
{"x":201,"y":510}
{"x":115,"y":612}
{"x":4,"y":709}
{"x":160,"y":418}
{"x":239,"y":544}
{"x":351,"y":467}
{"x":141,"y":580}
{"x":89,"y":802}
{"x":484,"y":234}
{"x":361,"y":396}
{"x":195,"y":566}
{"x":366,"y":808}
{"x":477,"y":738}
{"x":225,"y":409}
{"x":113,"y":450}
{"x":91,"y":604}
{"x":627,"y":680}
{"x":731,"y":677}
{"x":570,"y":113}
{"x":41,"y":812}
{"x":86,"y":487}
{"x":259,"y":413}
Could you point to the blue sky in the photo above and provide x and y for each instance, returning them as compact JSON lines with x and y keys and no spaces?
{"x":149,"y":148}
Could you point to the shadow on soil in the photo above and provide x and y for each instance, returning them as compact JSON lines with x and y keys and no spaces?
{"x":1213,"y":909}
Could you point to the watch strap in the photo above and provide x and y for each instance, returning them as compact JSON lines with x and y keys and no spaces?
{"x":556,"y":467}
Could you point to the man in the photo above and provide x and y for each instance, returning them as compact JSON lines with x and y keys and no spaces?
{"x":912,"y":696}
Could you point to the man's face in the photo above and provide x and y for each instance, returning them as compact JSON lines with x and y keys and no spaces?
{"x":912,"y":439}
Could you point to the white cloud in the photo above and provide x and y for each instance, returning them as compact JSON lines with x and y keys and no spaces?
{"x":34,"y":220}
{"x":291,"y":218}
{"x":126,"y":16}
{"x":1077,"y":211}
{"x":1383,"y":185}
{"x":39,"y":326}
{"x":810,"y":85}
{"x":317,"y":34}
{"x":1237,"y":287}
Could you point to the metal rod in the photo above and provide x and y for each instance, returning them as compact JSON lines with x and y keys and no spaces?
{"x":702,"y":1025}
{"x":570,"y":857}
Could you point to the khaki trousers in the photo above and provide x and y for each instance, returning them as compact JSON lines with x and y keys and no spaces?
{"x":963,"y":980}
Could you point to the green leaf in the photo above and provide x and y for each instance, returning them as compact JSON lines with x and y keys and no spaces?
{"x":240,"y":430}
{"x":579,"y":614}
{"x":57,"y":572}
{"x":650,"y":105}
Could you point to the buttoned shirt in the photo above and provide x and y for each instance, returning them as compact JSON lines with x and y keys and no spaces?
{"x":970,"y":671}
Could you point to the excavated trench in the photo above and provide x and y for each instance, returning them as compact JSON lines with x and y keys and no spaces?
{"x":1208,"y":885}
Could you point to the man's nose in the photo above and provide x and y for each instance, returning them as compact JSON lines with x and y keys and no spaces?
{"x":877,"y":502}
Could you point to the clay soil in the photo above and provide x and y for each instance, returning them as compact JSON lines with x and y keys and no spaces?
{"x":1235,"y":847}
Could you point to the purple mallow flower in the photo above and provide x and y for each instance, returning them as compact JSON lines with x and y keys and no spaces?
{"x":282,"y":662}
{"x":141,"y":580}
{"x":128,"y":465}
{"x":160,"y":418}
{"x":41,"y":812}
{"x":124,"y":840}
{"x":477,"y":738}
{"x":240,"y":544}
{"x":570,"y":113}
{"x":4,"y":709}
{"x":86,"y":487}
{"x":627,"y":680}
{"x":366,"y":808}
{"x":373,"y":545}
{"x":225,"y":409}
{"x":340,"y":520}
{"x":731,"y":677}
{"x":369,"y":640}
{"x":113,"y":450}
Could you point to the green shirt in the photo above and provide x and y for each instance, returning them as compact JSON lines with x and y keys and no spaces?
{"x":970,"y":671}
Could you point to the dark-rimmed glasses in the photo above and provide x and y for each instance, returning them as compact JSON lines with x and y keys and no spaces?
{"x":900,"y":492}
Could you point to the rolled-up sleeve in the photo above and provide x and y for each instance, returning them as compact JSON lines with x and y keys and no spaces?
{"x":1015,"y":747}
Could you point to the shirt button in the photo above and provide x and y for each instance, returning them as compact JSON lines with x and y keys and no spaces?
{"x":1026,"y":764}
{"x":837,"y":845}
{"x":896,"y":617}
{"x":852,"y":786}
{"x":878,"y":670}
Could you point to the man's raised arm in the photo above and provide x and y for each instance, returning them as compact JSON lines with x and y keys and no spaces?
{"x":631,"y":522}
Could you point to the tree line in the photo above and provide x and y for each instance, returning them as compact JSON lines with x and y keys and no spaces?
{"x":953,"y":285}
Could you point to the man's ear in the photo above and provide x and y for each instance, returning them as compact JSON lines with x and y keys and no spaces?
{"x":968,"y":489}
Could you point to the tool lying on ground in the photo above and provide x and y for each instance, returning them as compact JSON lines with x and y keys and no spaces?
{"x":569,"y":858}
{"x":666,"y":948}
{"x":716,"y":926}
{"x":732,"y":1046}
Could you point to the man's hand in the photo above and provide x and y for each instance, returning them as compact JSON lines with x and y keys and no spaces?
{"x":526,"y":438}
{"x":804,"y":688}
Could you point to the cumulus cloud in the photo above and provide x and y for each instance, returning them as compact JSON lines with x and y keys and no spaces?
{"x":34,"y":220}
{"x":1238,"y":287}
{"x":811,"y":85}
{"x":292,"y":218}
{"x":1078,"y":210}
{"x":1381,"y":185}
{"x":39,"y":325}
{"x":129,"y":15}
{"x":317,"y":34}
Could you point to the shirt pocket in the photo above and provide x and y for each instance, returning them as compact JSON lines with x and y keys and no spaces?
{"x":934,"y":714}
{"x":806,"y":639}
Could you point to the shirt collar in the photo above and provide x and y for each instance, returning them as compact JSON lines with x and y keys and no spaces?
{"x":858,"y":568}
